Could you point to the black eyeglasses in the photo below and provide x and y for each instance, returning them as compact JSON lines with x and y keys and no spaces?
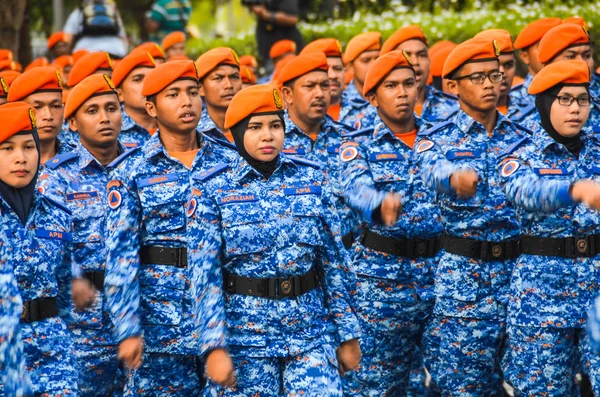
{"x":479,"y":78}
{"x":567,"y":100}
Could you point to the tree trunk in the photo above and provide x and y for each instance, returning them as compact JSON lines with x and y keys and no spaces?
{"x":12,"y":13}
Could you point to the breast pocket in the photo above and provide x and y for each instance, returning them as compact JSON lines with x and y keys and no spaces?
{"x":390,"y":172}
{"x":249,"y":228}
{"x":305,"y":228}
{"x":163,"y":207}
{"x":87,"y":237}
{"x":162,"y":289}
{"x":463,"y":160}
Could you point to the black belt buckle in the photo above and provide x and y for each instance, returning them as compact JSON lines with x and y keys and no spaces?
{"x":419,"y":248}
{"x":497,"y":250}
{"x":583,"y":246}
{"x":285,"y":287}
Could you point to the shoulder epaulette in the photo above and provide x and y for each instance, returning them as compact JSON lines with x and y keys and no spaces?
{"x":596,"y":128}
{"x":446,"y":95}
{"x":57,"y":204}
{"x":516,"y":87}
{"x":343,"y":127}
{"x":221,"y":142}
{"x":302,"y":161}
{"x":362,"y":131}
{"x":60,"y":159}
{"x":124,"y":155}
{"x":524,"y":112}
{"x":513,"y":147}
{"x":522,"y":128}
{"x":209,"y":173}
{"x":437,"y":127}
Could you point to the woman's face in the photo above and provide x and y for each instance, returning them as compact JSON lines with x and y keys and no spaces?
{"x":19,"y":159}
{"x":264,"y":135}
{"x":569,"y":120}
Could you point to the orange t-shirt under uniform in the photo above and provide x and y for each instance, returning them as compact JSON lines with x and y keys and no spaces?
{"x":334,"y":111}
{"x":187,"y":158}
{"x":408,"y":138}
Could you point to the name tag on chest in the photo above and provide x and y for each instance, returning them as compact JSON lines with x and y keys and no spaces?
{"x":81,"y":196}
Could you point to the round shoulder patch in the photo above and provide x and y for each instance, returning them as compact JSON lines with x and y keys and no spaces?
{"x":191,"y":207}
{"x":348,"y":153}
{"x":424,"y":145}
{"x":114,"y":199}
{"x":509,"y":168}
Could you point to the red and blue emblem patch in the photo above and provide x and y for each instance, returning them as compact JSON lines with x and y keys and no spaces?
{"x":191,"y":207}
{"x":114,"y":199}
{"x":509,"y":168}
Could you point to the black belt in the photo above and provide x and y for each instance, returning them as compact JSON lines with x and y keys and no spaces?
{"x":150,"y":255}
{"x":408,"y":248}
{"x":39,"y":309}
{"x":273,"y":288}
{"x":566,"y":247}
{"x":348,"y":240}
{"x":484,"y":250}
{"x":96,"y":278}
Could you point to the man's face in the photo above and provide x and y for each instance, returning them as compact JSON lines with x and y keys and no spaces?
{"x":480,"y":98}
{"x":396,"y":96}
{"x":419,"y":57}
{"x":177,"y":108}
{"x":529,"y":56}
{"x":60,"y":48}
{"x":49,"y":113}
{"x":220,"y":85}
{"x":131,"y":89}
{"x":581,"y":52}
{"x":175,"y":49}
{"x":98,"y":121}
{"x":508,"y":67}
{"x":309,"y":96}
{"x":361,"y":64}
{"x":337,"y":76}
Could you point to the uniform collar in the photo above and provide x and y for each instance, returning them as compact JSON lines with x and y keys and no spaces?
{"x":467,"y":124}
{"x":528,"y":80}
{"x":86,"y":159}
{"x":327,"y":125}
{"x":381,"y":130}
{"x":206,"y":123}
{"x":242,"y":168}
{"x":155,"y":147}
{"x":543,"y":141}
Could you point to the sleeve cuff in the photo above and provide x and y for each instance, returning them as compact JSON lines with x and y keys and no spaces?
{"x":564,"y":195}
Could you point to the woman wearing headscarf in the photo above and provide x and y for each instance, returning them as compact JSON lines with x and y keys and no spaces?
{"x":38,"y":235}
{"x":552,"y":179}
{"x":266,"y":222}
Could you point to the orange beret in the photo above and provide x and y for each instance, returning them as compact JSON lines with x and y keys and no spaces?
{"x":578,"y":21}
{"x":473,"y":50}
{"x":401,"y":35}
{"x":8,"y":65}
{"x":439,"y":58}
{"x":209,"y":61}
{"x":6,"y":79}
{"x":279,"y":67}
{"x":38,"y":62}
{"x":16,"y":117}
{"x":6,"y":55}
{"x":77,"y":55}
{"x":382,"y":66}
{"x":172,"y":39}
{"x":368,"y":41}
{"x":567,"y":72}
{"x":330,"y":47}
{"x":88,"y":65}
{"x":301,"y":65}
{"x":261,"y":98}
{"x":62,"y":61}
{"x":501,"y":36}
{"x":282,"y":47}
{"x":440,"y":45}
{"x":44,"y":79}
{"x":130,"y":62}
{"x":559,"y":39}
{"x":248,"y":60}
{"x":150,"y":47}
{"x":534,"y":32}
{"x":164,"y":75}
{"x":91,"y":86}
{"x":248,"y":76}
{"x":55,"y":38}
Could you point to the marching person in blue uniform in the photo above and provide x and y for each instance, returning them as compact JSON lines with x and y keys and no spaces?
{"x":219,"y":74}
{"x":552,"y":180}
{"x":432,"y":105}
{"x":308,"y":132}
{"x":79,"y":179}
{"x":361,"y":51}
{"x":152,"y":292}
{"x":39,"y":235}
{"x":129,"y":75}
{"x":267,"y":220}
{"x":42,"y":89}
{"x":458,"y":161}
{"x":13,"y":374}
{"x":394,"y":256}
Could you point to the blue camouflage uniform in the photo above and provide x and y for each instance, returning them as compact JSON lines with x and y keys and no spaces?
{"x":595,"y":85}
{"x":275,"y":229}
{"x":42,"y":258}
{"x":356,"y":111}
{"x":395,"y":292}
{"x":593,"y":326}
{"x":208,"y":127}
{"x":438,"y":106}
{"x":67,"y":137}
{"x":158,"y":296}
{"x":132,"y":135}
{"x":464,"y":339}
{"x":518,"y":94}
{"x":551,"y":292}
{"x":79,"y":180}
{"x":325,"y":151}
{"x":13,"y":374}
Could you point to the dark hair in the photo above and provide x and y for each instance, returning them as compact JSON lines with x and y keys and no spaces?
{"x":151,"y":98}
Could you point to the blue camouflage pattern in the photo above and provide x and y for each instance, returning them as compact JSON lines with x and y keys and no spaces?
{"x":325,"y":151}
{"x":147,"y":208}
{"x":68,"y":137}
{"x":550,"y":296}
{"x":595,"y":85}
{"x":41,"y":251}
{"x":356,"y":111}
{"x":79,"y":180}
{"x":438,"y":106}
{"x":281,"y":228}
{"x":593,"y":326}
{"x":394,"y":295}
{"x":518,"y":94}
{"x":208,"y":127}
{"x":132,"y":134}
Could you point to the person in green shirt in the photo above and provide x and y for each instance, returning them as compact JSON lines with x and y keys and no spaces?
{"x":167,"y":16}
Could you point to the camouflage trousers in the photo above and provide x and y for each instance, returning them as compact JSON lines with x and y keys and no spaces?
{"x":98,"y":369}
{"x":463,"y":355}
{"x":311,"y":374}
{"x":14,"y":380}
{"x":544,"y":361}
